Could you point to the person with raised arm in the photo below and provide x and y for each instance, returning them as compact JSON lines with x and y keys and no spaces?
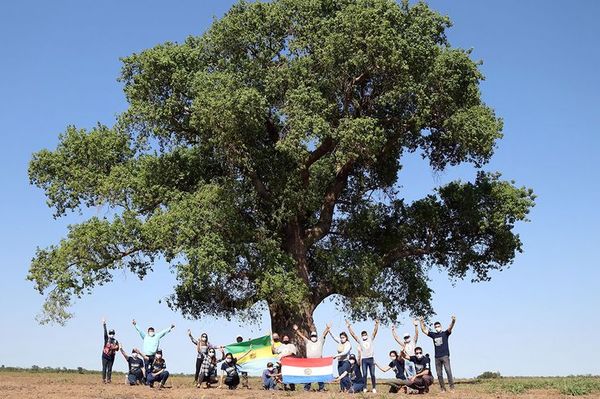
{"x":442,"y":350}
{"x":111,"y":346}
{"x":151,"y":340}
{"x":368,"y":352}
{"x":136,"y":373}
{"x":343,"y":351}
{"x":157,"y":369}
{"x":314,"y":349}
{"x":202,"y":346}
{"x":407,"y":343}
{"x":208,"y":370}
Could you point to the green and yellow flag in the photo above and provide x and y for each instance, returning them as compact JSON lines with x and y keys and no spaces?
{"x":260,"y":354}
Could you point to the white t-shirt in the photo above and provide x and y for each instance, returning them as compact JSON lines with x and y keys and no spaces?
{"x":284,"y":350}
{"x":409,"y":348}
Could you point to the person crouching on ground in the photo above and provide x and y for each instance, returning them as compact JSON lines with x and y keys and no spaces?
{"x":229,"y":370}
{"x":423,"y":379}
{"x":136,"y":373}
{"x":269,"y":378}
{"x":157,"y":369}
{"x":209,"y":368}
{"x":351,"y":369}
{"x":398,"y":366}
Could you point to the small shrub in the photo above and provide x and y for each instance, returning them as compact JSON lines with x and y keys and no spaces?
{"x":489,"y":375}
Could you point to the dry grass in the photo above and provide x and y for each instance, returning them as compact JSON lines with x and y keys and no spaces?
{"x":28,"y":385}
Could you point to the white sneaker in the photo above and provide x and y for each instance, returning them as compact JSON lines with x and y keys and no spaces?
{"x":374,"y":390}
{"x":365,"y":390}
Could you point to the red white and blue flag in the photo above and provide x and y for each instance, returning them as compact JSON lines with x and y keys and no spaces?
{"x":296,"y":370}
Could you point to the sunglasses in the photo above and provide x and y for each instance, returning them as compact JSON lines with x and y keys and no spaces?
{"x":418,"y":353}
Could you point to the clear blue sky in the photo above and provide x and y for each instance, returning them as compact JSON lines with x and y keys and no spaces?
{"x":59,"y":64}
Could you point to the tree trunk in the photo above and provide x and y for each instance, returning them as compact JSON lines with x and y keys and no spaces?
{"x":283,"y":320}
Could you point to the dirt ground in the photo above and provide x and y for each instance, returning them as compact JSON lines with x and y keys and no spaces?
{"x":22,"y":385}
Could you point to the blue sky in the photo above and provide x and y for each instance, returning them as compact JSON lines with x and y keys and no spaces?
{"x":60,"y":61}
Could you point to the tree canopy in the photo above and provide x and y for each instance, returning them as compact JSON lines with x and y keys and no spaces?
{"x":261,"y":161}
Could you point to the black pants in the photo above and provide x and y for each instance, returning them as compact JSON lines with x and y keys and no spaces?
{"x":232,"y":382}
{"x":198,"y":365}
{"x":107,"y":365}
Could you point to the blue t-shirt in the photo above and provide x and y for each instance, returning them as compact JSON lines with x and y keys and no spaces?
{"x":440,"y":341}
{"x":135,"y":364}
{"x":267,"y":377}
{"x":230,"y":368}
{"x":398,"y":366}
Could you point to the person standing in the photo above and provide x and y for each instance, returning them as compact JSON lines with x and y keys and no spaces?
{"x":111,"y":346}
{"x":407,"y":343}
{"x":314,"y":349}
{"x":245,"y":384}
{"x":286,"y":348}
{"x":366,"y":345}
{"x":442,"y":351}
{"x":151,"y":341}
{"x":135,"y":363}
{"x":343,"y":351}
{"x":202,"y":346}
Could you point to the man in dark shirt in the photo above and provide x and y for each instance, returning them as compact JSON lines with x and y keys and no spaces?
{"x":442,"y":351}
{"x":423,"y":379}
{"x":135,"y":376}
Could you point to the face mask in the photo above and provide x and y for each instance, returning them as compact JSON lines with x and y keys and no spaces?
{"x":313,"y":339}
{"x":352,"y":361}
{"x":276,"y":339}
{"x":419,"y":356}
{"x":228,"y":360}
{"x":270,"y":368}
{"x":343,"y":339}
{"x":151,"y":333}
{"x":134,"y":355}
{"x":286,"y":341}
{"x":407,"y":340}
{"x":438,"y":329}
{"x":211,"y":353}
{"x":364,"y":338}
{"x":111,"y":335}
{"x":204,"y":339}
{"x":158,"y":356}
{"x":392,"y":358}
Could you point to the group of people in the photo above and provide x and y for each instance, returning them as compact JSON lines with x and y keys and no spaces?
{"x":411,"y":366}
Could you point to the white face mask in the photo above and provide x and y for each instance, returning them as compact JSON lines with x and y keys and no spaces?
{"x":407,"y":340}
{"x":343,"y":340}
{"x":111,"y":335}
{"x":419,"y":356}
{"x":438,"y":329}
{"x":313,"y":339}
{"x":134,"y":355}
{"x":270,"y":368}
{"x":365,"y":337}
{"x":151,"y":333}
{"x":352,"y":361}
{"x":158,"y":356}
{"x":392,"y":358}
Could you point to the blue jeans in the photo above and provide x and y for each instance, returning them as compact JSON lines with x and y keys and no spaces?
{"x":270,"y":384}
{"x":345,"y":383}
{"x":369,"y":364}
{"x":135,"y":377}
{"x":162,"y":378}
{"x":357,"y":387}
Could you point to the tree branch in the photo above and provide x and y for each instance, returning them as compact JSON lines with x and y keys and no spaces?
{"x":326,"y":146}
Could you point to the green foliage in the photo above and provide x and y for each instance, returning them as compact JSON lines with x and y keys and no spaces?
{"x":489,"y":375}
{"x":261,"y":160}
{"x":572,"y":386}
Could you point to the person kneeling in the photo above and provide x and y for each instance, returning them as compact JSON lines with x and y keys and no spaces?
{"x":157,"y":370}
{"x":269,"y":377}
{"x":396,"y":364}
{"x":135,"y":376}
{"x":351,"y":369}
{"x":423,"y":379}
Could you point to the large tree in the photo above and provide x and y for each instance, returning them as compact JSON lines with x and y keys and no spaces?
{"x":261,"y":159}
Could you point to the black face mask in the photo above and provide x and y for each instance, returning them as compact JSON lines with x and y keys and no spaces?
{"x":287,"y":341}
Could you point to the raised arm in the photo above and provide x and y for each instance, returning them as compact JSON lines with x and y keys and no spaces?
{"x":351,"y":331}
{"x":123,"y":353}
{"x":396,"y":337}
{"x":327,"y":329}
{"x":451,"y":326}
{"x":333,"y":337}
{"x":166,"y":331}
{"x":423,"y":327}
{"x":139,"y":352}
{"x":299,"y":333}
{"x":192,"y":337}
{"x":142,"y":334}
{"x":416,"y":323}
{"x":375,"y":329}
{"x":105,"y":332}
